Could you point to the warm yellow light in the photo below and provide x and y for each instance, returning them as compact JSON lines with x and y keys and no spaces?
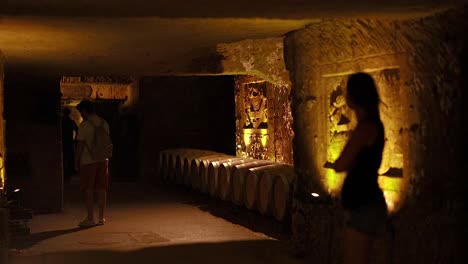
{"x":258,"y":133}
{"x":264,"y":139}
{"x":2,"y":179}
{"x":334,"y":180}
{"x":2,"y":174}
{"x":392,"y":190}
{"x":392,"y":187}
{"x":246,"y":138}
{"x":389,"y":184}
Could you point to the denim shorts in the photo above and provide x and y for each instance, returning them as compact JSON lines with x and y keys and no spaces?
{"x":369,"y":219}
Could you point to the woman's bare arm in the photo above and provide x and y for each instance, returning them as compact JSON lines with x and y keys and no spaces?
{"x":363,"y":135}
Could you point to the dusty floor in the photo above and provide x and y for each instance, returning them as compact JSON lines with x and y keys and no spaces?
{"x":147,"y":225}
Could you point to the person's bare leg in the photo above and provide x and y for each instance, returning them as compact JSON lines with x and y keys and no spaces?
{"x":102,"y":200}
{"x":89,"y":200}
{"x":356,"y":247}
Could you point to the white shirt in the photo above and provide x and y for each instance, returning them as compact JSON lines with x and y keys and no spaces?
{"x":86,"y":134}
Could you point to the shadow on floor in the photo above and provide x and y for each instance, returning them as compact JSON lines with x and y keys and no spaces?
{"x":27,"y":241}
{"x":140,"y":193}
{"x":239,"y":215}
{"x":245,"y":252}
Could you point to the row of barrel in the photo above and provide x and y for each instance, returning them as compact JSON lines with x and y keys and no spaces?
{"x":257,"y":184}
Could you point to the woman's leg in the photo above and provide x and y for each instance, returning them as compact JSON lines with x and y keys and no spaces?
{"x":356,"y":247}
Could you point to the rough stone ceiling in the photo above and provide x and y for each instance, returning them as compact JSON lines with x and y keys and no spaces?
{"x":216,"y":8}
{"x":125,"y":45}
{"x":143,"y":37}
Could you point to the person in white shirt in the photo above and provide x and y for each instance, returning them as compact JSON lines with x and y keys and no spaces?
{"x":94,"y":174}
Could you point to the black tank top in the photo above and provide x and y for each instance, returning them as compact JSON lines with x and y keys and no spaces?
{"x":360,"y":186}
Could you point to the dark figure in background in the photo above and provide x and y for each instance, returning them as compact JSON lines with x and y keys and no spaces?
{"x":362,"y":199}
{"x":68,"y":127}
{"x":93,"y":170}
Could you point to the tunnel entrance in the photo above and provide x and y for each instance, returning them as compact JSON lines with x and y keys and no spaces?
{"x":241,"y":116}
{"x":113,"y":99}
{"x":123,"y":125}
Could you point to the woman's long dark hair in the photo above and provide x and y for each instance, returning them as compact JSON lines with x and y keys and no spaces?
{"x":362,"y":91}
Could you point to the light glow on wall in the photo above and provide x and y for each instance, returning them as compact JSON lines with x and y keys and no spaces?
{"x":247,"y":138}
{"x":263,"y":120}
{"x":334,"y":180}
{"x":2,"y":179}
{"x":2,"y":173}
{"x":251,"y":135}
{"x":264,"y":137}
{"x":391,"y":188}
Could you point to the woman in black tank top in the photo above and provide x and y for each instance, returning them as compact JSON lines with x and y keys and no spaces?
{"x":361,"y":196}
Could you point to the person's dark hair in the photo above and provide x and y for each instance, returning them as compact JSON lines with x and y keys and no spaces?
{"x":85,"y":105}
{"x":362,"y":91}
{"x":66,"y":111}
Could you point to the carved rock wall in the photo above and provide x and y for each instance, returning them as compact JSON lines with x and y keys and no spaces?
{"x":3,"y":212}
{"x":2,"y":124}
{"x":421,"y":64}
{"x":263,"y":58}
{"x":96,"y":87}
{"x":263,"y":120}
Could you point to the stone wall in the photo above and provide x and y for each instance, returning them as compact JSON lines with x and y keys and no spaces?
{"x":419,"y":65}
{"x":263,"y":58}
{"x":185,"y":112}
{"x":95,"y":88}
{"x":261,"y":63}
{"x":34,"y":160}
{"x":263,"y":120}
{"x":2,"y":126}
{"x":3,"y":211}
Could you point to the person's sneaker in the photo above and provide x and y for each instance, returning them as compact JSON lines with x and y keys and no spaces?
{"x":101,"y":222}
{"x":87,"y":223}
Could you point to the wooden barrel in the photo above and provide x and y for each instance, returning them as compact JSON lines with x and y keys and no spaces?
{"x":170,"y":167}
{"x":238,"y":179}
{"x":186,"y":171}
{"x":186,"y":154}
{"x":166,"y":167}
{"x":204,"y":164}
{"x":159,"y":163}
{"x":172,"y":163}
{"x":163,"y":166}
{"x":195,"y":169}
{"x":224,"y":177}
{"x":266,"y":185}
{"x":213,"y":170}
{"x":178,"y":170}
{"x":282,"y":195}
{"x":252,"y":184}
{"x":170,"y":171}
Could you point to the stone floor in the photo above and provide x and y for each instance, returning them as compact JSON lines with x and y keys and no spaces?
{"x":153,"y":225}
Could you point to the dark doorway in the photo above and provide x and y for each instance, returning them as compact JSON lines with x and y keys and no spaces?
{"x":124,"y":134}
